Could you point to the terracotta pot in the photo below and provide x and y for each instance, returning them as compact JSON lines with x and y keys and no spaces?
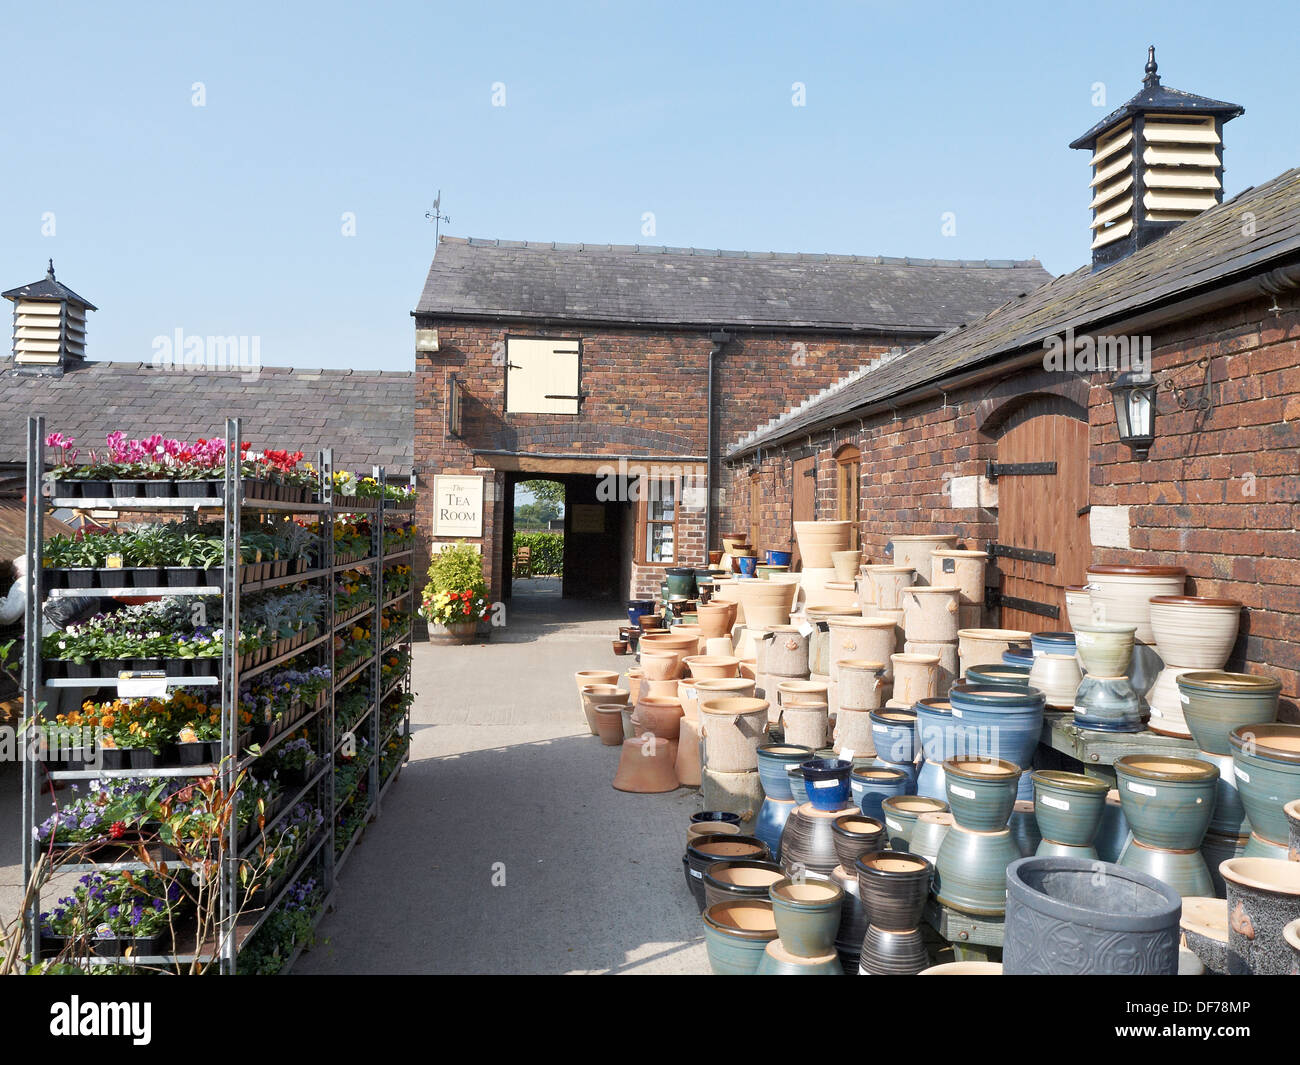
{"x":1194,"y":631}
{"x":688,"y":697}
{"x":853,"y":736}
{"x":871,"y":639}
{"x":689,"y":762}
{"x":740,"y":793}
{"x":806,"y":724}
{"x":978,"y":647}
{"x":733,"y":542}
{"x":862,"y":685}
{"x":769,"y":603}
{"x":1263,"y":898}
{"x":1105,"y":648}
{"x":739,"y":879}
{"x":629,"y":729}
{"x":1122,"y":594}
{"x":720,"y":647}
{"x":728,"y":591}
{"x":592,"y":676}
{"x":634,"y":676}
{"x":708,"y":667}
{"x":819,"y":539}
{"x":665,"y":688}
{"x":930,"y":613}
{"x":916,"y":551}
{"x":650,"y":623}
{"x":716,"y":619}
{"x":846,"y":565}
{"x":915,"y":677}
{"x":1057,"y":677}
{"x":696,"y":829}
{"x":660,"y":665}
{"x":609,"y":723}
{"x":887,"y":584}
{"x":783,"y":651}
{"x":949,"y":663}
{"x":674,"y":639}
{"x":965,"y":569}
{"x":593,"y":695}
{"x":733,"y":728}
{"x":659,"y":714}
{"x":646,"y":766}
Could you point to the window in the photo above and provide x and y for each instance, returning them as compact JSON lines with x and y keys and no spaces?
{"x":542,"y":375}
{"x":849,"y":488}
{"x":660,"y":520}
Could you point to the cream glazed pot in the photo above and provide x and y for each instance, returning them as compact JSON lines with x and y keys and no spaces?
{"x":1194,"y":631}
{"x":1122,"y":594}
{"x":930,"y":613}
{"x":916,"y":551}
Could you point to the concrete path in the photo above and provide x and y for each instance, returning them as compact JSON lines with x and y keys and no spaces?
{"x":504,"y":777}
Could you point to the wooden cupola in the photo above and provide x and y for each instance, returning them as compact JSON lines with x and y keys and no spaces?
{"x":1156,"y":162}
{"x":49,"y":326}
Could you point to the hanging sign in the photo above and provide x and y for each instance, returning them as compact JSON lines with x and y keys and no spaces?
{"x":457,"y":505}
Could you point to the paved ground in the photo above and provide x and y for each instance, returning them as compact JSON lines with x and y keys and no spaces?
{"x":503,"y":771}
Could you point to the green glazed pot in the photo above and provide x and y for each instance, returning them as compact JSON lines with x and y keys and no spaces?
{"x":1229,"y":814}
{"x":1215,"y":703}
{"x":970,"y":873}
{"x":735,"y":935}
{"x":777,"y":960}
{"x":1184,"y":871}
{"x":1168,"y":802}
{"x":1048,"y":849}
{"x":981,"y":792}
{"x":1266,"y":763}
{"x":807,"y":915}
{"x":990,"y":675}
{"x":1068,"y":807}
{"x":900,"y":813}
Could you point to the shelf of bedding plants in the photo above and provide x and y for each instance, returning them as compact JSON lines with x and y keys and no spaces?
{"x":256,"y":721}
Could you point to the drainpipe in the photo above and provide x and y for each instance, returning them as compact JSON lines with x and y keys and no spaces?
{"x":720,"y":339}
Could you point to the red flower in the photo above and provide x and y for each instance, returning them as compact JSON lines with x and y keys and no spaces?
{"x":466,"y":608}
{"x":245,"y":445}
{"x":117,"y":830}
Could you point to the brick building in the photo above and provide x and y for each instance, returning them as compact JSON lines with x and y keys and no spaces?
{"x":1211,"y":289}
{"x":595,"y":366}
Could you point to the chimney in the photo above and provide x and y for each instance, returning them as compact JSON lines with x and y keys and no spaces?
{"x":49,"y":326}
{"x":1156,"y":162}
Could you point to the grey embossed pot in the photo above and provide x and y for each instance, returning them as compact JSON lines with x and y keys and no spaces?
{"x":1074,"y":916}
{"x":1263,"y":898}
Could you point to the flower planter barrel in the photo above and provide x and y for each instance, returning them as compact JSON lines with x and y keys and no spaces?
{"x":887,"y":584}
{"x":930,"y":613}
{"x":733,"y":728}
{"x":965,"y":569}
{"x":783,"y":652}
{"x":917,"y":550}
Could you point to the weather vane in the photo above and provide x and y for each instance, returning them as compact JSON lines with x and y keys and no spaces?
{"x":435,"y":216}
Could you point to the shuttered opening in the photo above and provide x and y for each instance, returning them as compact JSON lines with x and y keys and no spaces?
{"x":45,"y":328}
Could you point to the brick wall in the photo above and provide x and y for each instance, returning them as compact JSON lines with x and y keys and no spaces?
{"x":1219,"y":494}
{"x":647,"y":394}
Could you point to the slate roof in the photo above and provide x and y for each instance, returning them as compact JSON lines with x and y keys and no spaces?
{"x":634,"y":284}
{"x":1206,"y":252}
{"x":367,"y":417}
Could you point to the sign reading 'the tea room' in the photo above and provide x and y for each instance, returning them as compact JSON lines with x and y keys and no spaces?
{"x":457,"y":506}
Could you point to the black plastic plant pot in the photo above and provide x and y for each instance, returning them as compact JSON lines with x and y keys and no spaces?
{"x":214,"y":751}
{"x":113,"y":578}
{"x":146,"y":663}
{"x":53,"y":668}
{"x":54,"y":578}
{"x":114,"y":758}
{"x":212,"y":576}
{"x":78,"y":670}
{"x":143,"y":758}
{"x":204,"y":667}
{"x":145,"y":576}
{"x":192,"y":489}
{"x":62,"y":488}
{"x":96,"y":489}
{"x":81,"y":577}
{"x":182,"y":576}
{"x":126,"y":489}
{"x":159,"y":489}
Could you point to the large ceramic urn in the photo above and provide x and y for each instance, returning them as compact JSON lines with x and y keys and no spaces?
{"x":965,"y":569}
{"x":917,"y":550}
{"x":930,"y":613}
{"x":1123,"y":593}
{"x":886,"y":584}
{"x":871,"y":639}
{"x":1191,"y":633}
{"x":818,"y":539}
{"x":768,"y":603}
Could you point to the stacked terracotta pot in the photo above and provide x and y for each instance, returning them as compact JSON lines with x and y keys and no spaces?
{"x":883,"y":592}
{"x":965,"y":569}
{"x":929,"y":663}
{"x":732,"y":728}
{"x":782,"y":654}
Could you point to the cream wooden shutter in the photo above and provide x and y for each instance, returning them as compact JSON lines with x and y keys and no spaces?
{"x":540,"y":368}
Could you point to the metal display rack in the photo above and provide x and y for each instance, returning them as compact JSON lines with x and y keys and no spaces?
{"x":324,"y":850}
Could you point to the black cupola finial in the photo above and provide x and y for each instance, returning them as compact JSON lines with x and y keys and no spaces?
{"x":1152,"y":77}
{"x":49,"y":274}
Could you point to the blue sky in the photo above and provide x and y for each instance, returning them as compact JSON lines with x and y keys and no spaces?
{"x":227,"y":219}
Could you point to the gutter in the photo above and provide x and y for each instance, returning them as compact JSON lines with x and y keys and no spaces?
{"x":719,"y":339}
{"x":1274,"y":282}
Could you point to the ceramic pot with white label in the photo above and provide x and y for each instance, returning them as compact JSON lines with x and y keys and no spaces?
{"x":1068,"y":807}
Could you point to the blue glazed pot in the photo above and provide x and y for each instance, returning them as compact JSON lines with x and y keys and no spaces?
{"x":894,"y":734}
{"x":1229,"y":814}
{"x":899,"y":813}
{"x":929,"y":780}
{"x":1216,"y":703}
{"x":778,"y":961}
{"x":798,"y":785}
{"x":908,"y":769}
{"x":637,"y":607}
{"x":1184,"y":871}
{"x":1112,"y":834}
{"x":827,"y":782}
{"x":1024,"y":828}
{"x":748,"y":565}
{"x":981,"y":794}
{"x":1168,"y":802}
{"x":999,"y":723}
{"x":893,"y":886}
{"x":1018,"y":655}
{"x":736,"y":934}
{"x":936,"y":729}
{"x":970,"y":873}
{"x":807,"y":915}
{"x":715,"y":815}
{"x":873,"y":784}
{"x":773,"y":761}
{"x":1052,"y":643}
{"x":779,"y":558}
{"x":1068,"y":807}
{"x":998,"y":676}
{"x":772,"y":816}
{"x":1107,"y":704}
{"x":1266,"y":763}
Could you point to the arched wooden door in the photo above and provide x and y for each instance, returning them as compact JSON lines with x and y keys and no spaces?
{"x":1043,"y":543}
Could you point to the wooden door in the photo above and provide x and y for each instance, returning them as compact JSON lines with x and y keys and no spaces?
{"x":803,"y":495}
{"x":1043,"y":543}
